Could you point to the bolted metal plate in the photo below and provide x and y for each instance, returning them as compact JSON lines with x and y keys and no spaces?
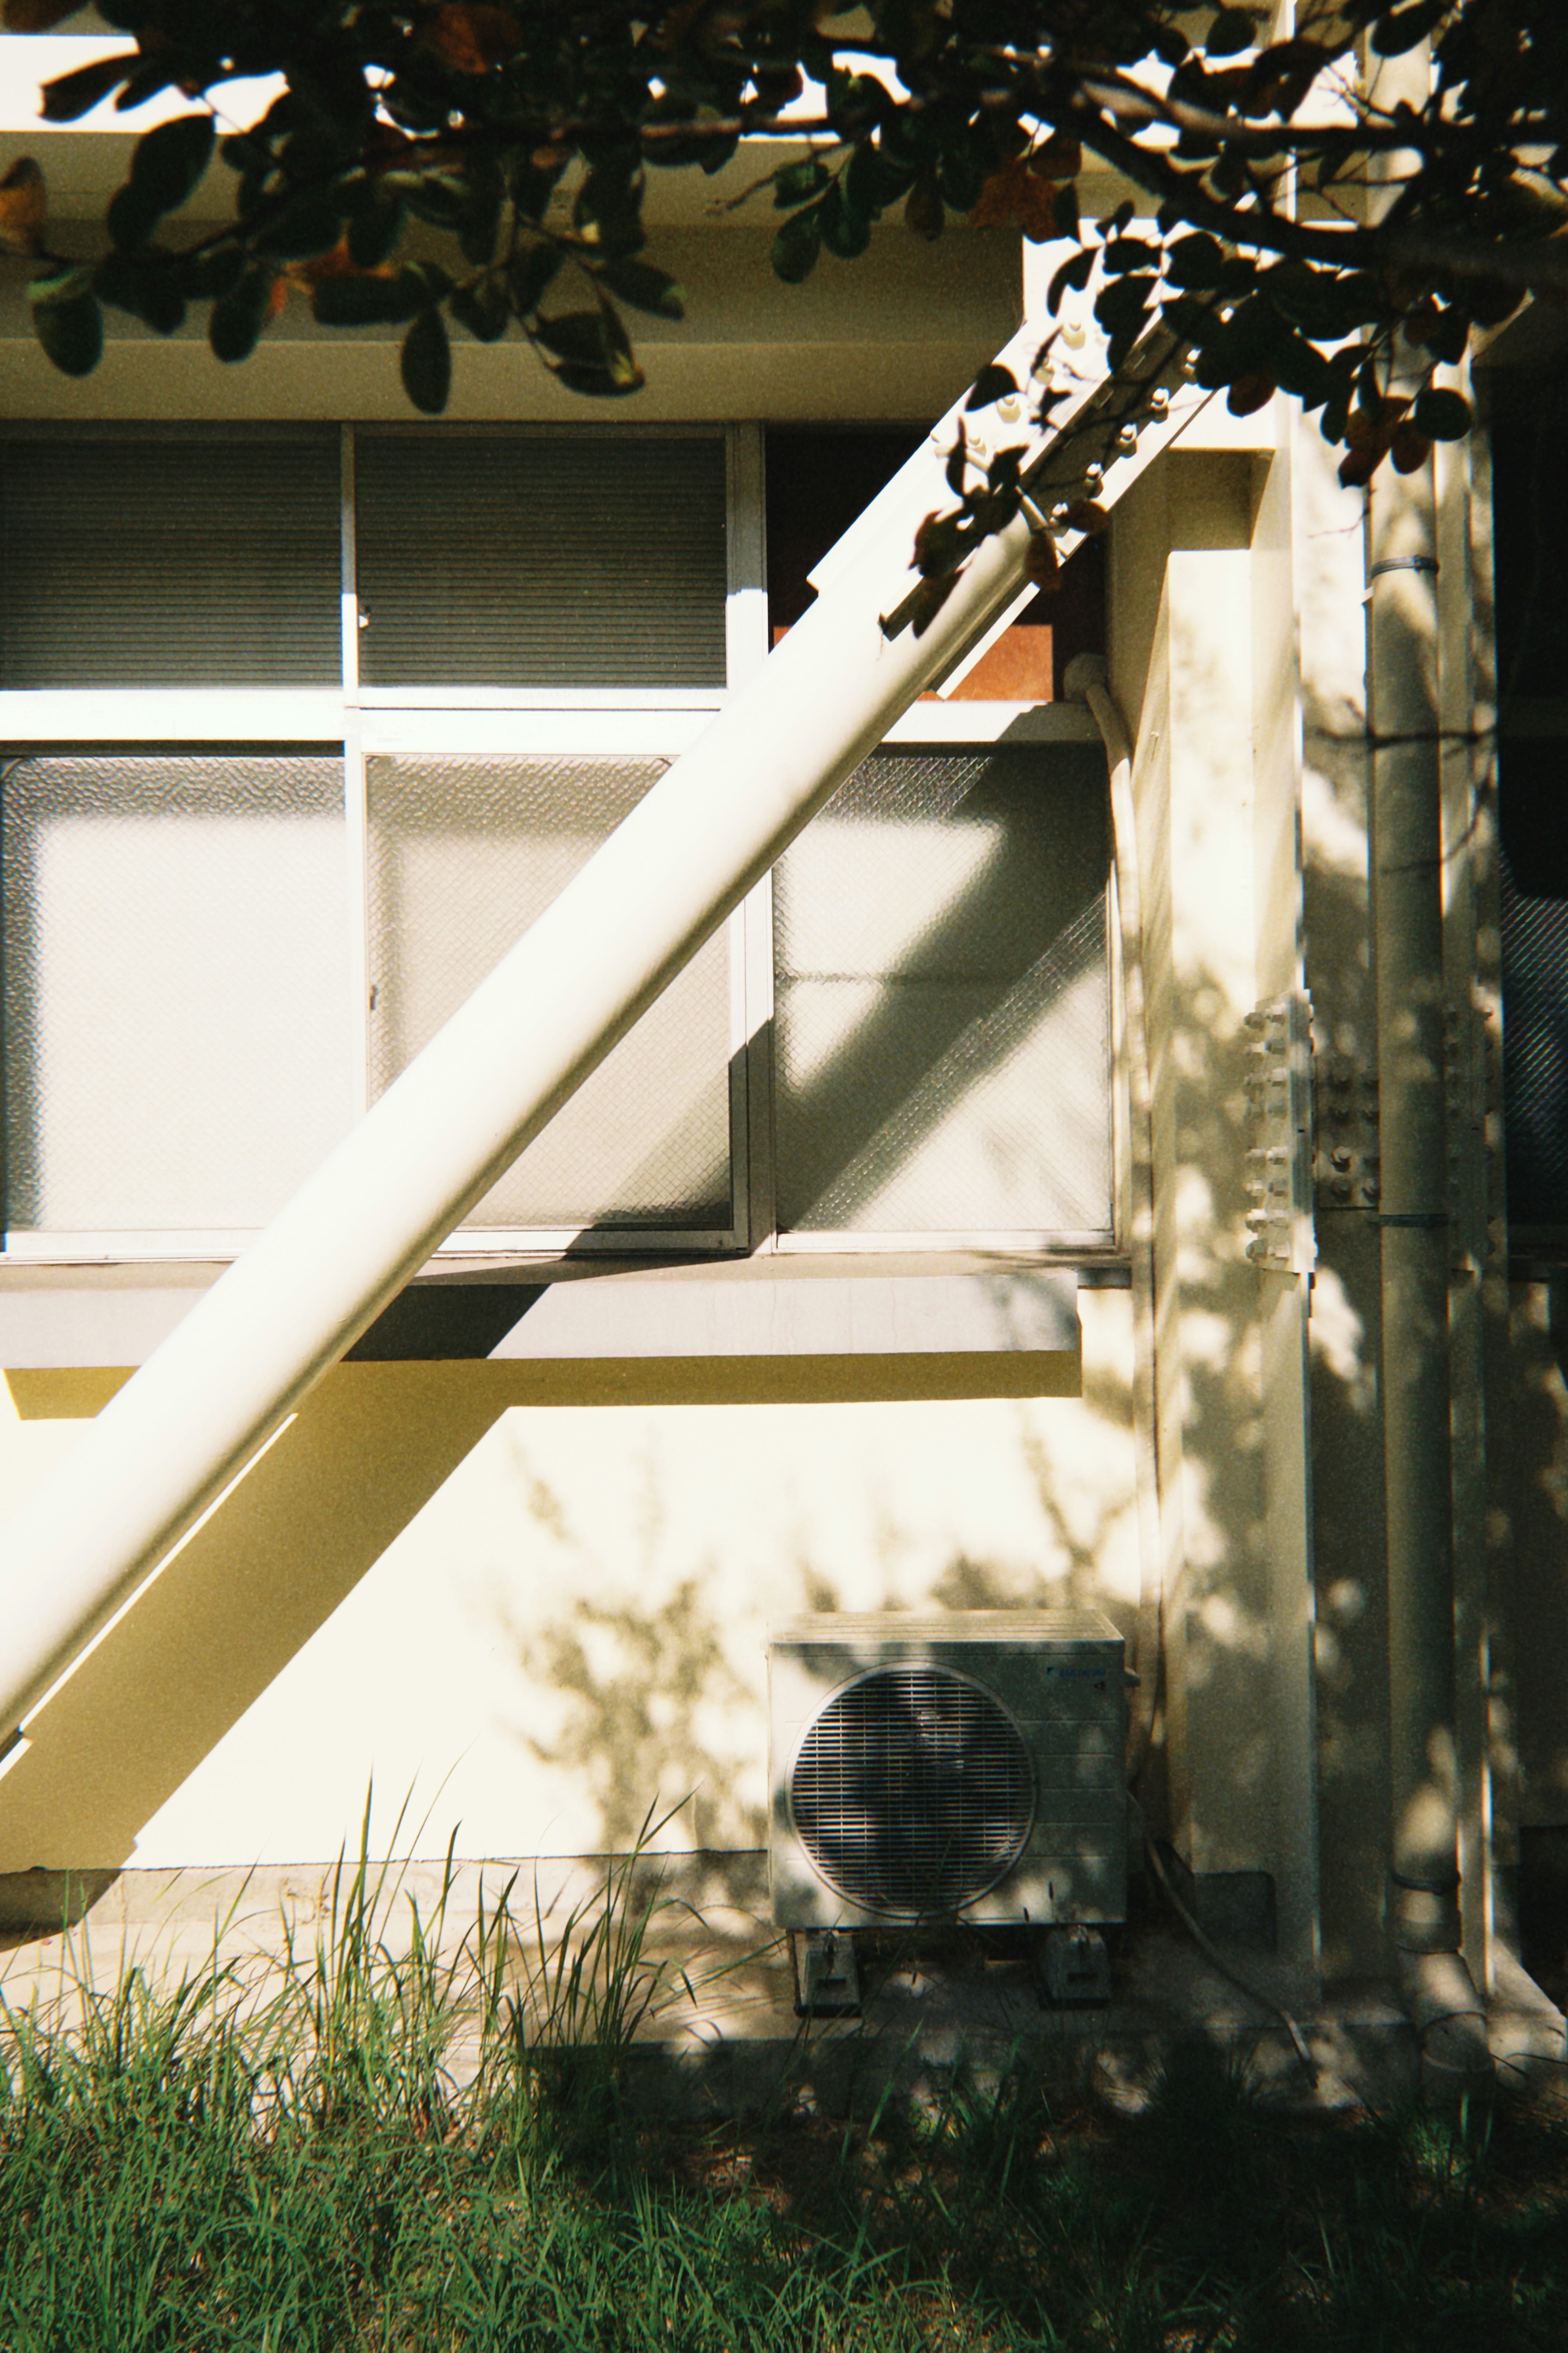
{"x":913,"y":1791}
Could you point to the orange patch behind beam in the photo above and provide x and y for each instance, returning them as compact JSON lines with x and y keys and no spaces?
{"x":818,"y":481}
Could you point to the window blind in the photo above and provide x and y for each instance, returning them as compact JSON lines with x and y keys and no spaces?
{"x":941,"y":1005}
{"x":153,"y":563}
{"x":465,"y":854}
{"x":175,"y":988}
{"x":514,"y":561}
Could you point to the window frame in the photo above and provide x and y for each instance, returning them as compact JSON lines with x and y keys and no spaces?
{"x":358,"y":723}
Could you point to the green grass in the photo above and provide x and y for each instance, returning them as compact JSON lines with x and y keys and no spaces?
{"x":306,"y":2159}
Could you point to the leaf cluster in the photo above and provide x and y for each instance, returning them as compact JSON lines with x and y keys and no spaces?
{"x":482,"y":166}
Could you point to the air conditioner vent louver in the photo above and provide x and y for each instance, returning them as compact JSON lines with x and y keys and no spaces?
{"x":913,"y":1791}
{"x":947,"y":1765}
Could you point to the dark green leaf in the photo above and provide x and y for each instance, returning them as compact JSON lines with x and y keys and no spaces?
{"x":532,"y":187}
{"x":72,"y":334}
{"x":716,"y":153}
{"x":961,"y":175}
{"x":147,"y":285}
{"x":1242,"y":344}
{"x":430,"y":276}
{"x":476,"y":234}
{"x":1490,"y":301}
{"x":439,"y":197}
{"x":72,"y":95}
{"x":796,"y":184}
{"x":608,"y":205}
{"x":1440,"y":415}
{"x":369,"y":301}
{"x":1187,"y":317}
{"x":647,"y":288}
{"x":311,"y":225}
{"x":1233,"y":29}
{"x":1122,"y":305}
{"x":1124,"y":254}
{"x":619,"y":355}
{"x":144,"y":85}
{"x":531,"y":276}
{"x":209,"y":273}
{"x":598,"y":383}
{"x":131,"y":218}
{"x":844,"y":232}
{"x":426,"y":363}
{"x":483,"y":309}
{"x":924,"y":211}
{"x":373,"y":232}
{"x":170,"y":161}
{"x":578,"y":337}
{"x":237,"y":319}
{"x":1401,"y":28}
{"x":1249,"y":393}
{"x":797,"y":244}
{"x":1300,"y":370}
{"x":1446,"y":334}
{"x":1195,"y":263}
{"x":993,"y":384}
{"x":1076,"y":272}
{"x":871,"y":182}
{"x":57,"y":286}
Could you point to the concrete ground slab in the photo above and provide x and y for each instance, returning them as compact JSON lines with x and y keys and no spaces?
{"x":719,"y":2036}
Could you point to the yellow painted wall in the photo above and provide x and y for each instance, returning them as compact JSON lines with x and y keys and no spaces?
{"x":570,"y":1626}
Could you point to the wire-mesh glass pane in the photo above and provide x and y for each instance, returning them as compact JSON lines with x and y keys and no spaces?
{"x":520,"y":560}
{"x":176,"y":987}
{"x":163,"y":562}
{"x":465,"y":854}
{"x":1535,"y":1091}
{"x":941,"y":1060}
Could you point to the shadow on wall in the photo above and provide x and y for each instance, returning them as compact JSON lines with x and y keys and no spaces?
{"x":642,"y":1651}
{"x":647,"y":1675}
{"x":1350,"y":1639}
{"x":640,"y":1694}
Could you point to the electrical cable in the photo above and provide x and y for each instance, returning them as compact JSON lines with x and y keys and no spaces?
{"x":1216,"y":1959}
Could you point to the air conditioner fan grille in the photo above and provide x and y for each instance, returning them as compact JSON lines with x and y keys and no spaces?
{"x":913,"y":1792}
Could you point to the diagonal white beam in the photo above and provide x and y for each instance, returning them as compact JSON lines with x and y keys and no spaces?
{"x":166,"y":1447}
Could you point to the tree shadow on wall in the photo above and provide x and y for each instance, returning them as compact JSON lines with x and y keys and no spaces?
{"x":632,"y":1684}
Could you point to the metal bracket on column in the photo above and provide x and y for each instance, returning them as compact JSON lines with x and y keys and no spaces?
{"x":1346,"y":1160}
{"x":1465,"y":1089}
{"x":1279,"y":1161}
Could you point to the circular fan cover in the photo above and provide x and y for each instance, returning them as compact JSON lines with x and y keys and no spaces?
{"x":912,"y":1793}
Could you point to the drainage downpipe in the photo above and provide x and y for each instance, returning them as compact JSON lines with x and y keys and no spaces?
{"x":199,"y":1411}
{"x":1403,"y":715}
{"x":1086,"y":676}
{"x":1423,"y":1903}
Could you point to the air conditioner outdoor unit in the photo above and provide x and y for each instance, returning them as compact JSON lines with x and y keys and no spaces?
{"x":962,"y":1765}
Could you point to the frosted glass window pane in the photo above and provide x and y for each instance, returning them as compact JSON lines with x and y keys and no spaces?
{"x":465,"y":854}
{"x":520,"y":560}
{"x":176,"y":987}
{"x":162,"y":562}
{"x":942,"y":1001}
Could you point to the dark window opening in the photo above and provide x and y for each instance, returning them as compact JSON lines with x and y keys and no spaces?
{"x":1529,"y":489}
{"x":819,"y":483}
